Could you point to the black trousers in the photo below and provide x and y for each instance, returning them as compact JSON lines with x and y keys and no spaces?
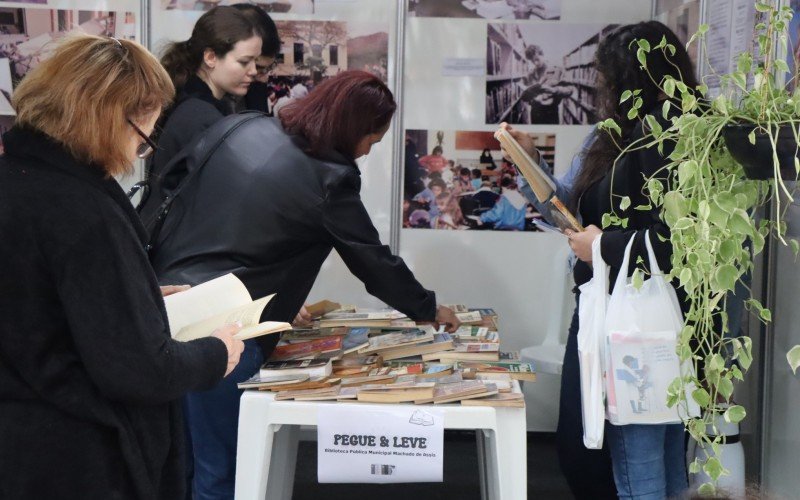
{"x":588,"y":472}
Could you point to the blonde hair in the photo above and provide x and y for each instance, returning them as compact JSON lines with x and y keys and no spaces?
{"x":85,"y":93}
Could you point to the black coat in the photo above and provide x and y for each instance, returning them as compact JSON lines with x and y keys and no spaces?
{"x":195,"y":110}
{"x":89,"y":375}
{"x":266,"y":211}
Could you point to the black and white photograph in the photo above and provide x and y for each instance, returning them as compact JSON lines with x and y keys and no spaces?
{"x":548,"y":10}
{"x":25,"y":34}
{"x":271,"y":6}
{"x":312,"y":51}
{"x":541,"y":73}
{"x":458,"y":180}
{"x":683,"y":18}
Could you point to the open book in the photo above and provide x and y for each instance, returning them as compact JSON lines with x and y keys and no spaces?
{"x":541,"y":184}
{"x":202,"y":309}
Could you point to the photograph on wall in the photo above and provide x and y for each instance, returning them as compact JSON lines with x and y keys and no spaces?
{"x":312,"y":51}
{"x":458,"y":180}
{"x":271,"y":6}
{"x":549,"y":10}
{"x":683,"y":18}
{"x":731,"y":26}
{"x":25,"y":35}
{"x":541,"y":73}
{"x":793,"y":51}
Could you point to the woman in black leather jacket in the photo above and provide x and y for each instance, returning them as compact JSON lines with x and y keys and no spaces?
{"x":273,"y":199}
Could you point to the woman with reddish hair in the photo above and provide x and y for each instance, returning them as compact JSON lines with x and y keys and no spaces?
{"x":269,"y":205}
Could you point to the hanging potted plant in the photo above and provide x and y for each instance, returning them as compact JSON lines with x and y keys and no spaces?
{"x":732,"y":154}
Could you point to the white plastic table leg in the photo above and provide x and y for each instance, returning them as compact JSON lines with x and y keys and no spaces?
{"x":480,"y":444}
{"x":509,"y":473}
{"x":254,"y":448}
{"x":283,"y":462}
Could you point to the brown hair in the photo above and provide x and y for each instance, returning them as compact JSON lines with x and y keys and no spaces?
{"x":84,"y":94}
{"x":219,"y":30}
{"x":340,"y":112}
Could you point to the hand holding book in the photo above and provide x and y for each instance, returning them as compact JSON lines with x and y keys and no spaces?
{"x":518,"y":146}
{"x":234,"y":346}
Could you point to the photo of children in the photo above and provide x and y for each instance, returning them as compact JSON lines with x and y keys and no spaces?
{"x":459,"y":180}
{"x":489,"y":9}
{"x":312,"y":51}
{"x":25,"y":35}
{"x":271,"y":6}
{"x":541,"y":73}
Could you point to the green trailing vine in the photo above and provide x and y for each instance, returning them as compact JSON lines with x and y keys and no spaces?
{"x":709,"y":206}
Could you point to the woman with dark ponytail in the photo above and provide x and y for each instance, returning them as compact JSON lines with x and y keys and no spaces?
{"x":218,"y":60}
{"x":647,"y":460}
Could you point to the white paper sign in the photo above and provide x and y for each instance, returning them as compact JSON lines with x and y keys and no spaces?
{"x":358,"y":444}
{"x":453,"y":66}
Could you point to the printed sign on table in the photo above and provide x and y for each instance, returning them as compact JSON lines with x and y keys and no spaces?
{"x":358,"y":444}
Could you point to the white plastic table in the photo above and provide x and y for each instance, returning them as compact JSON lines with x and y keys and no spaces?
{"x":268,"y":436}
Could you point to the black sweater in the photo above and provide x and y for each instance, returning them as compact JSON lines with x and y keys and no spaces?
{"x":89,"y":375}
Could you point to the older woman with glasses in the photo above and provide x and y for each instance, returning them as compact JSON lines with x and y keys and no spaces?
{"x":89,"y":374}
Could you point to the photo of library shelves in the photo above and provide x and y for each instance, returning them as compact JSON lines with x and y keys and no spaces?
{"x":683,"y":18}
{"x":25,"y":35}
{"x":458,"y":180}
{"x":538,"y":75}
{"x":272,"y":6}
{"x":549,"y":10}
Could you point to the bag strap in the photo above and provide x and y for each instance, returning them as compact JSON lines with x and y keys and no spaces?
{"x":654,"y":268}
{"x":163,"y":209}
{"x":622,"y":276}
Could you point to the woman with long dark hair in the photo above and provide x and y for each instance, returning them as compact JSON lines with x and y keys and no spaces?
{"x":648,"y":460}
{"x":275,"y":197}
{"x":217,"y":61}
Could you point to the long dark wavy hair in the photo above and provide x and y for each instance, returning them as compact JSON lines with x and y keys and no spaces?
{"x":618,"y":70}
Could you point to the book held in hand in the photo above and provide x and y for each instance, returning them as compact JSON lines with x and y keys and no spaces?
{"x":541,"y":184}
{"x":197,"y":312}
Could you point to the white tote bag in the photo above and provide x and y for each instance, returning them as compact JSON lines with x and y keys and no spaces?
{"x":591,"y":349}
{"x":642,"y":328}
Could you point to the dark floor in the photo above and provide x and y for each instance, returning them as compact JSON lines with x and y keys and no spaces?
{"x":460,"y":474}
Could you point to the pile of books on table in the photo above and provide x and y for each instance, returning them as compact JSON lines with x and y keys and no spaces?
{"x":381,"y":356}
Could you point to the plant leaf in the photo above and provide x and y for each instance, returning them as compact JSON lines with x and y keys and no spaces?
{"x":701,"y":396}
{"x":735,"y":414}
{"x":725,"y":388}
{"x":793,"y":357}
{"x":624,"y":203}
{"x":726,"y":276}
{"x":713,"y":468}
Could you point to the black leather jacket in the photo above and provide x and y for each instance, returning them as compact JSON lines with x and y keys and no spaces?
{"x":266,"y":211}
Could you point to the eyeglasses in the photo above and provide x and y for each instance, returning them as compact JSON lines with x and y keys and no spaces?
{"x":146,"y":148}
{"x":265,"y":70}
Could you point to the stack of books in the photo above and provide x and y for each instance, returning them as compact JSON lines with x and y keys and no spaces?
{"x":382,"y":357}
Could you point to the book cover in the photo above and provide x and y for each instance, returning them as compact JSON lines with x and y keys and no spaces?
{"x":396,"y":339}
{"x":310,"y":367}
{"x":440,"y":342}
{"x":287,"y":350}
{"x":501,"y":400}
{"x":257,"y":381}
{"x":450,"y":392}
